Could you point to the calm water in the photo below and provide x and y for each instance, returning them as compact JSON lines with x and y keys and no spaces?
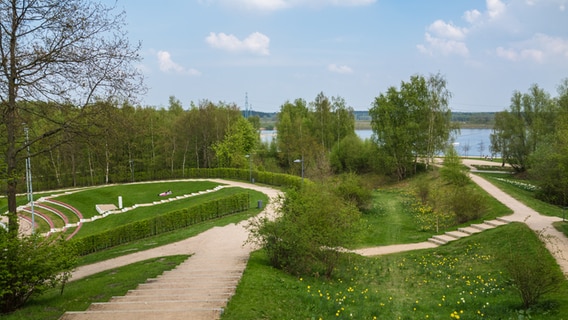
{"x":470,"y":142}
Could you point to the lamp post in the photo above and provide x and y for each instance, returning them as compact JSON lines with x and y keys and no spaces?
{"x":250,"y":166}
{"x":29,"y":179}
{"x":302,"y":162}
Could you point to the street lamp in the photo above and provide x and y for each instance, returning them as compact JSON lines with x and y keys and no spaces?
{"x":29,"y":179}
{"x":302,"y":162}
{"x":250,"y":166}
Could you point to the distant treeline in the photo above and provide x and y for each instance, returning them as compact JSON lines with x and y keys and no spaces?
{"x":465,"y":118}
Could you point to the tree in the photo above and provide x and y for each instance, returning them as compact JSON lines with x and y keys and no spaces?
{"x":68,"y":53}
{"x":438,"y":116}
{"x":412,"y":122}
{"x":549,"y":162}
{"x":240,"y":140}
{"x":520,"y":130}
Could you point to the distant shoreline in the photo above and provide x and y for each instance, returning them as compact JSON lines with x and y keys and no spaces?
{"x":366,"y":125}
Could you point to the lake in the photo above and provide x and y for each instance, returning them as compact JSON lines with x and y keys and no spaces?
{"x":469,"y":142}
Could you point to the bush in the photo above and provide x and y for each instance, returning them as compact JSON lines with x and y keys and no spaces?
{"x":350,"y":187}
{"x":530,"y":268}
{"x":29,"y":265}
{"x":313,"y":223}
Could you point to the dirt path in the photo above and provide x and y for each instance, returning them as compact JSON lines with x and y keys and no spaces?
{"x":204,"y":243}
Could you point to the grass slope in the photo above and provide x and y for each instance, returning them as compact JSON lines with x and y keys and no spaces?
{"x":463,"y":279}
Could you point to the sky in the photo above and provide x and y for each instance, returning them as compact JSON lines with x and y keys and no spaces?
{"x":267,"y":52}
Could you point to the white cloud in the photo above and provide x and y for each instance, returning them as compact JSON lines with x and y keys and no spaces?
{"x":275,"y":5}
{"x":168,"y":65}
{"x":442,"y":46}
{"x":495,"y":8}
{"x":539,"y":48}
{"x":256,"y":43}
{"x":447,"y":30}
{"x":472,"y":16}
{"x":339,"y":69}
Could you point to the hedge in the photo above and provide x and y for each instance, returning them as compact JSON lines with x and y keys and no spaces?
{"x":265,"y":177}
{"x":163,"y":223}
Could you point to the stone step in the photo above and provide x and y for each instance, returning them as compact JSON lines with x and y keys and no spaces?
{"x":184,"y":285}
{"x":194,"y":314}
{"x":171,"y":297}
{"x":443,"y":238}
{"x":173,"y":291}
{"x":206,"y":272}
{"x":495,"y":223}
{"x":482,"y":226}
{"x":469,"y":230}
{"x":157,"y":305}
{"x":188,"y":279}
{"x":503,"y":219}
{"x":436,"y":241}
{"x":457,"y":234}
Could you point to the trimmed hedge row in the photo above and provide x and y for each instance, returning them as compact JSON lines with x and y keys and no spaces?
{"x":265,"y":177}
{"x":163,"y":223}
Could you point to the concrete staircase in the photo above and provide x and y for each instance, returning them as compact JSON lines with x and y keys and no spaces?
{"x":467,"y":231}
{"x":197,"y":289}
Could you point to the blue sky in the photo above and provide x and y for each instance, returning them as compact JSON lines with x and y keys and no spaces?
{"x":279,"y":50}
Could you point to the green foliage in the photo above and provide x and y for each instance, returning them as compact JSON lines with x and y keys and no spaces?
{"x":351,"y":188}
{"x":240,"y":140}
{"x":411,"y":122}
{"x":163,"y":223}
{"x":453,"y":172}
{"x":313,"y":223}
{"x":29,"y":265}
{"x":352,"y":154}
{"x":519,"y":131}
{"x":531,"y":269}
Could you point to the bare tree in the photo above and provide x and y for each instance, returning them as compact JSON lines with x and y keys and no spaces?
{"x":67,"y":54}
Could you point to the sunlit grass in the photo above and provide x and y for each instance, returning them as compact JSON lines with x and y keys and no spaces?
{"x":465,"y":279}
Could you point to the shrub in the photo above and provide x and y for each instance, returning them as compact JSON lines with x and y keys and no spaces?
{"x":530,"y":268}
{"x":313,"y":223}
{"x":29,"y":265}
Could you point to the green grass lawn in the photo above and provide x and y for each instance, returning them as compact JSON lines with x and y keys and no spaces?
{"x":390,"y":222}
{"x":464,"y":278}
{"x":78,"y":295}
{"x":142,"y":213}
{"x":135,"y":193}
